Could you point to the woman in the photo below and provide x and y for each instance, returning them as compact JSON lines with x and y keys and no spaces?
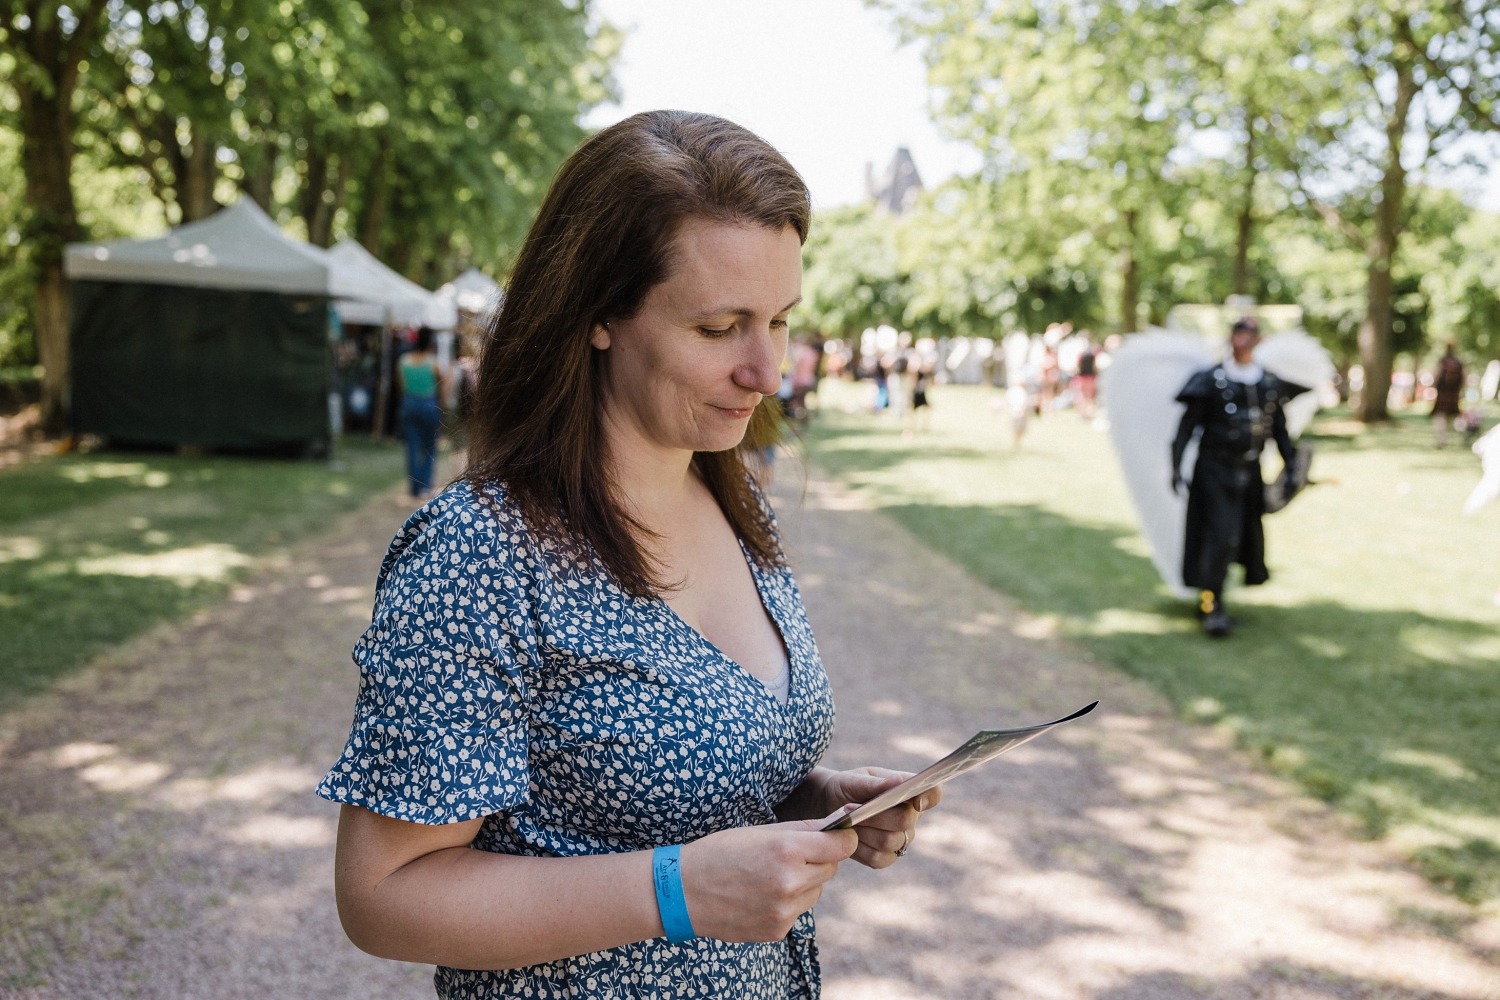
{"x":1448,"y":386}
{"x":584,"y":758}
{"x":421,"y":383}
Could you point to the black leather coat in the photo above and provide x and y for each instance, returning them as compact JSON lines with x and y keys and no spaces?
{"x":1232,"y":421}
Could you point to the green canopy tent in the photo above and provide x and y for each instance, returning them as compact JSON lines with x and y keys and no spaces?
{"x":215,"y":335}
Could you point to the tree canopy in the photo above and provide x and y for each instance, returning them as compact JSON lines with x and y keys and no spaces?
{"x":1146,"y":153}
{"x":425,"y":130}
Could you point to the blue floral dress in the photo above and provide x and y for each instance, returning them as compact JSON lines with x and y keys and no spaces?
{"x":506,"y":677}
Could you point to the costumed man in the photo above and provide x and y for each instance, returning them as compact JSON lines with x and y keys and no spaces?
{"x":1233,"y":408}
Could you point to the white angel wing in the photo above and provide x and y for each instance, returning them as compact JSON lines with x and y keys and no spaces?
{"x":1296,"y":356}
{"x":1488,"y":487}
{"x":1139,"y":391}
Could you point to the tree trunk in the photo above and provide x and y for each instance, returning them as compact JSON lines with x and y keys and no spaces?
{"x":54,"y":347}
{"x":51,"y":223}
{"x":376,"y":192}
{"x":1246,"y":220}
{"x":1129,"y":277}
{"x":398,"y":253}
{"x":435,"y":266}
{"x":340,"y":189}
{"x":51,"y":218}
{"x":261,"y":175}
{"x":314,"y":208}
{"x":1375,"y":353}
{"x":195,"y":184}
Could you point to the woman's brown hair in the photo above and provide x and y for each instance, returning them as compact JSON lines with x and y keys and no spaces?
{"x":602,"y":239}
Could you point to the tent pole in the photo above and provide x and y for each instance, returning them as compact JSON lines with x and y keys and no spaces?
{"x":331,"y":388}
{"x":383,"y":384}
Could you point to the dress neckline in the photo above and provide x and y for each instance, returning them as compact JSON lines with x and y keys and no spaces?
{"x":766,"y":687}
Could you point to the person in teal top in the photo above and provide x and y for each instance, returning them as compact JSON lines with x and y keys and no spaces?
{"x":421,"y":382}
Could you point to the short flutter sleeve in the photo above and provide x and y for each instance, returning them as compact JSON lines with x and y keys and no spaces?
{"x":439,"y":733}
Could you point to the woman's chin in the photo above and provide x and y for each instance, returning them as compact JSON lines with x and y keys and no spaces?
{"x":724,"y":440}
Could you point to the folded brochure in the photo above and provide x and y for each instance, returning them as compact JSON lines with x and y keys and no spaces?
{"x":977,"y":749}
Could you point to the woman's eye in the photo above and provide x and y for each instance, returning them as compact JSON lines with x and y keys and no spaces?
{"x":712,"y":331}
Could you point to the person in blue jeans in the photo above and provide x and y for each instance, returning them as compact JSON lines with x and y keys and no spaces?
{"x":421,"y":382}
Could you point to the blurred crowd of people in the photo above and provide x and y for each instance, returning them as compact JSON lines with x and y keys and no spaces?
{"x":1058,"y":368}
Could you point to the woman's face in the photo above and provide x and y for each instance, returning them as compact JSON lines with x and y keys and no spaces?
{"x":685,"y":373}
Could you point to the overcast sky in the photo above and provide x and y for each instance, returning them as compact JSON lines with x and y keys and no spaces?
{"x":822,"y":80}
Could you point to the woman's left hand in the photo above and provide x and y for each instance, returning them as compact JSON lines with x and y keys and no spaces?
{"x":888,"y":835}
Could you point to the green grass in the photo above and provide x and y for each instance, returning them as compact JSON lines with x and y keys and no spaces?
{"x":1368,"y":669}
{"x":96,"y":548}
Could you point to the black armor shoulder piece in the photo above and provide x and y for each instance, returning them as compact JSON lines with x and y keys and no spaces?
{"x":1203,"y":384}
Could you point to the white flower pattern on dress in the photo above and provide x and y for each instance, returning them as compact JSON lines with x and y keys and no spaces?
{"x":507,"y":678}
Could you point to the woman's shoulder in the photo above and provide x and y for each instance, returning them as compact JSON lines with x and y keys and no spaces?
{"x":481,"y":525}
{"x":464,"y":503}
{"x":464,"y":523}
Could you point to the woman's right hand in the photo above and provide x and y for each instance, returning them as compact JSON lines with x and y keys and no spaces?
{"x":752,"y":883}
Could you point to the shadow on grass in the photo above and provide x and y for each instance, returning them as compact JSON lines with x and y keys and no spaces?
{"x":1346,"y":701}
{"x":873,"y":459}
{"x":97,"y":548}
{"x":60,"y":620}
{"x":1407,"y":432}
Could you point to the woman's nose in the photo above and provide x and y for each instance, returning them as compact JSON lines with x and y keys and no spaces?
{"x":760,"y":369}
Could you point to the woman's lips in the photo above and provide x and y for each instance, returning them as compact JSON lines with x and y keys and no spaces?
{"x":738,"y":412}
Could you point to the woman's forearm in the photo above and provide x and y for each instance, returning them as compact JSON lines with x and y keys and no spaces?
{"x":472,"y":909}
{"x":421,"y":894}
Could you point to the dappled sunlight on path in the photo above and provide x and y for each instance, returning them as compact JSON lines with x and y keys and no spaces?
{"x":161,"y":838}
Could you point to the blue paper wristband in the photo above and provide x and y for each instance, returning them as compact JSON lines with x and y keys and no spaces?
{"x":666,"y":873}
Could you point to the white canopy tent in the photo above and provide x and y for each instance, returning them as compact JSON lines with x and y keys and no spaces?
{"x":398,"y":301}
{"x":472,"y":292}
{"x":238,"y":247}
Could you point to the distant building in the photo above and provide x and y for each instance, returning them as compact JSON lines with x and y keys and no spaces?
{"x":898,"y":187}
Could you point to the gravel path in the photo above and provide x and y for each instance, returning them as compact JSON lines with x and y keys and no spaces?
{"x":158,"y":838}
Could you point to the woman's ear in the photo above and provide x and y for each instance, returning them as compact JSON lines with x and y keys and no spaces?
{"x":600,"y":337}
